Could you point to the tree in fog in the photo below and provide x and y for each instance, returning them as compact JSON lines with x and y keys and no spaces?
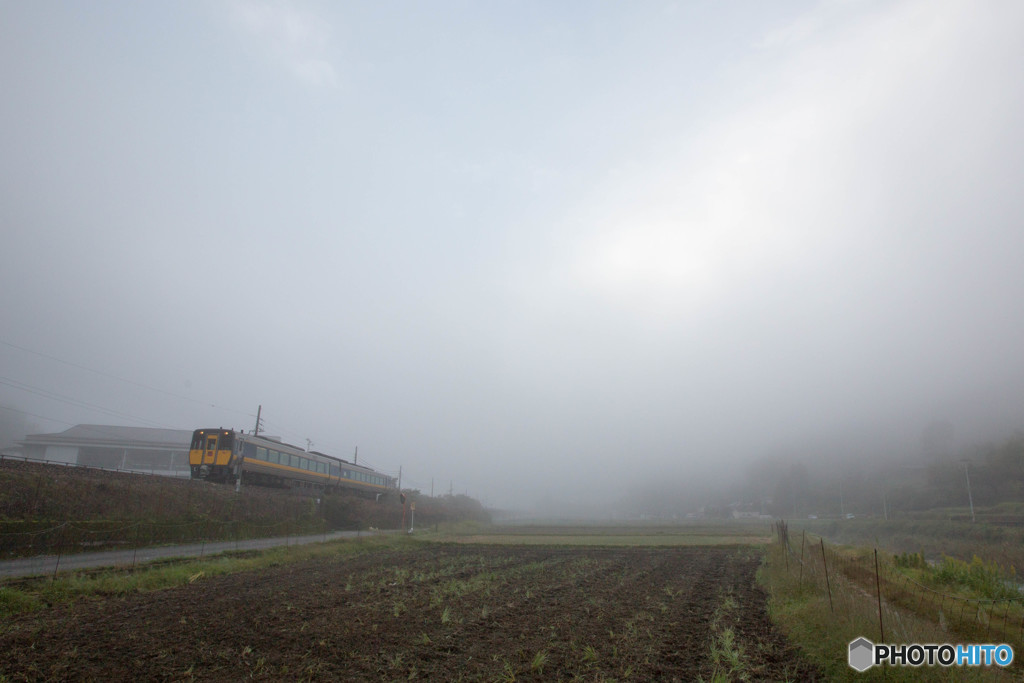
{"x":937,"y":440}
{"x":791,"y":493}
{"x":14,"y":426}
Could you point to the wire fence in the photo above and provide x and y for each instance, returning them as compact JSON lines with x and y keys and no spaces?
{"x":873,"y":588}
{"x":26,"y":539}
{"x":176,"y":471}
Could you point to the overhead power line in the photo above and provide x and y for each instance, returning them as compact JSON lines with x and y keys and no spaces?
{"x":122,"y":379}
{"x":41,"y":417}
{"x":53,"y":396}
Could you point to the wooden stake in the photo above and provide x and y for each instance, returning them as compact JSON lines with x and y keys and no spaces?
{"x":878,"y":588}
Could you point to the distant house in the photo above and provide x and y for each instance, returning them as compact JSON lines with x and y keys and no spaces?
{"x":135,"y":449}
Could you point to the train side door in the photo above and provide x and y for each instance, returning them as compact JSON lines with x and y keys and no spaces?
{"x":210,"y":449}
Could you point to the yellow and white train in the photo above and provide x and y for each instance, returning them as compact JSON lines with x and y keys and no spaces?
{"x":224,"y":455}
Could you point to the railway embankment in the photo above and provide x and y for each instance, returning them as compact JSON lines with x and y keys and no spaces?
{"x":49,"y":509}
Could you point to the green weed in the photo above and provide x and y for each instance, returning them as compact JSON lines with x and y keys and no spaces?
{"x":540,"y":660}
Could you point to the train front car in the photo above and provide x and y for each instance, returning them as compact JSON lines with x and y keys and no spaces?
{"x":210,"y":455}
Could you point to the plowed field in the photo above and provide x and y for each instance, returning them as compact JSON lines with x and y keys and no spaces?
{"x":436,"y":612}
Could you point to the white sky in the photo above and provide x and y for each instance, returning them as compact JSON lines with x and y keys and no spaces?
{"x":521,"y":247}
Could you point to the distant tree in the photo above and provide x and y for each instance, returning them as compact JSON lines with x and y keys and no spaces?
{"x":14,"y":426}
{"x":937,"y":440}
{"x":792,"y":493}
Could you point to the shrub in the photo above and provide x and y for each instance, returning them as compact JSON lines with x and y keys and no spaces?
{"x":987,"y":578}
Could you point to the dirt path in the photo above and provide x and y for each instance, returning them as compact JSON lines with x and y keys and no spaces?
{"x":442,"y":612}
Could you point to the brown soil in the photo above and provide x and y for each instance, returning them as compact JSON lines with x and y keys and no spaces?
{"x":440,"y":612}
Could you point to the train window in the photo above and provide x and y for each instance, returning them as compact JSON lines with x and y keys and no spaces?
{"x":261,"y":454}
{"x":335,"y":471}
{"x":321,"y":467}
{"x":296,"y":462}
{"x":273,"y":456}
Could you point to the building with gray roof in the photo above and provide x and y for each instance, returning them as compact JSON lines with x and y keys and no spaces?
{"x":112,"y":447}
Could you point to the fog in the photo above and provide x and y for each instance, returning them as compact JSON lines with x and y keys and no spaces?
{"x":546,"y":254}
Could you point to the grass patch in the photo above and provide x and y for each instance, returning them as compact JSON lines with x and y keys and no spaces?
{"x":625,"y":535}
{"x":933,"y":539}
{"x":726,"y":654}
{"x":984,"y":578}
{"x":800,"y":606}
{"x":24,"y":595}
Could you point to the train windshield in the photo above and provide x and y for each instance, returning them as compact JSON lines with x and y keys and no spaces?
{"x":211,"y":439}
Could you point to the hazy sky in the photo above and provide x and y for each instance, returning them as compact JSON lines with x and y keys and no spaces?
{"x":517,"y":246}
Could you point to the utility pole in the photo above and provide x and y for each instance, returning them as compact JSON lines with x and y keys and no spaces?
{"x":970,"y":498}
{"x":238,"y":446}
{"x":399,"y":478}
{"x":357,"y":455}
{"x":238,"y":467}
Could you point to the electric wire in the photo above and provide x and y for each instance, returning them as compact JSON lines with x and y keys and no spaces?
{"x":41,"y":417}
{"x":123,"y":379}
{"x":54,"y":396}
